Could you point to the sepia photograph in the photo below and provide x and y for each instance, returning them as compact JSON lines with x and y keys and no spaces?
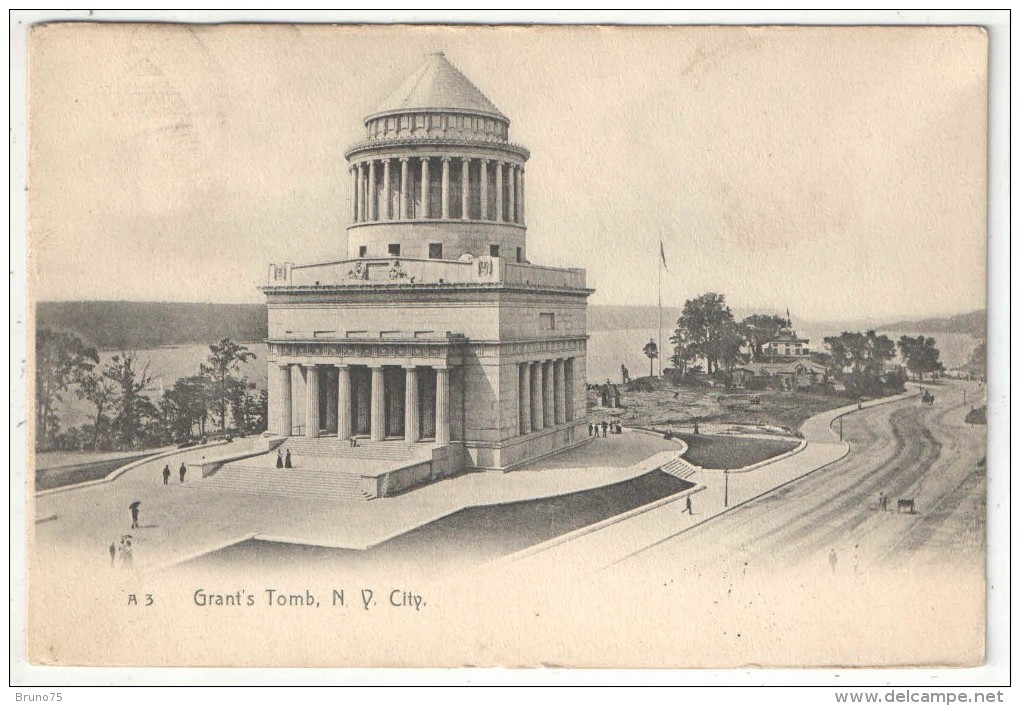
{"x":435,"y":346}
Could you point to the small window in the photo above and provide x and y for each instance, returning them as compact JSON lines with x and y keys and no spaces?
{"x":394,"y":249}
{"x":435,"y":251}
{"x":547,"y":322}
{"x":493,"y":250}
{"x":520,"y":254}
{"x":362,"y":250}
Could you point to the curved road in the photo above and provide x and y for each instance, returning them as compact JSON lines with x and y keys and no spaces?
{"x":904,"y":450}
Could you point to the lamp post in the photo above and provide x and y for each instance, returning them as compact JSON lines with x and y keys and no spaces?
{"x":726,"y":488}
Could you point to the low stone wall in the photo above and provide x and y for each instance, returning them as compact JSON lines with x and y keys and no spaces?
{"x":397,"y":481}
{"x":525,"y":449}
{"x":206,"y":467}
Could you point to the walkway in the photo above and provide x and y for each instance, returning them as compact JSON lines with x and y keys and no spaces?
{"x":182,"y":521}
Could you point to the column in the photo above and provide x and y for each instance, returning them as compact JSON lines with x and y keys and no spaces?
{"x":403,"y":189}
{"x":286,"y":421}
{"x":520,"y":195}
{"x":537,"y":388}
{"x":312,"y":402}
{"x":373,"y":206}
{"x":424,"y":188}
{"x":343,"y":403}
{"x":499,"y":191}
{"x":442,"y":406}
{"x":378,"y":426}
{"x":445,"y":193}
{"x":384,"y":210}
{"x":560,"y":391}
{"x":354,"y":194}
{"x":548,"y":397}
{"x":361,"y":192}
{"x":331,"y":390}
{"x":483,"y":183}
{"x":465,"y":188}
{"x":511,"y":182}
{"x":524,"y":398}
{"x":568,"y":385}
{"x":412,"y":424}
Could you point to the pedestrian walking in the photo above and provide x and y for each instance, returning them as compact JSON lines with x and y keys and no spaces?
{"x":286,"y":460}
{"x":833,"y":560}
{"x":134,"y":513}
{"x":126,"y":557}
{"x":883,"y":502}
{"x":183,"y":471}
{"x":688,"y":508}
{"x":279,"y":458}
{"x":113,"y":553}
{"x":589,"y":429}
{"x":605,"y":428}
{"x":166,"y":474}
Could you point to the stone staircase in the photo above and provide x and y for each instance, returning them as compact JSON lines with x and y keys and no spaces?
{"x":332,"y":447}
{"x":240,"y":477}
{"x":679,"y":467}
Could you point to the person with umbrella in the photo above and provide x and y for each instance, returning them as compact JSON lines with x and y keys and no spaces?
{"x":126,"y":558}
{"x":134,"y":513}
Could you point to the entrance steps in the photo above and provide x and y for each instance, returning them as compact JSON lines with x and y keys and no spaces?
{"x":241,"y":477}
{"x":333,"y":447}
{"x":679,"y":467}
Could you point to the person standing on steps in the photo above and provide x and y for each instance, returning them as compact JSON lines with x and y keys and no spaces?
{"x":279,"y":458}
{"x":286,"y":460}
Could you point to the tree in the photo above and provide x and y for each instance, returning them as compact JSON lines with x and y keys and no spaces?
{"x":61,"y":360}
{"x":133,"y":408}
{"x":651,"y":351}
{"x":977,"y":364}
{"x":858,"y":359}
{"x":249,"y":408}
{"x":704,"y":328}
{"x":225,"y":359}
{"x":759,"y":329}
{"x":683,"y":351}
{"x":186,"y":405}
{"x":101,"y":392}
{"x":920,"y":355}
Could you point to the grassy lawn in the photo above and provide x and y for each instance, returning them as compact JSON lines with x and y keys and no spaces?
{"x":46,"y":478}
{"x":467,"y":537}
{"x":709,"y":451}
{"x":667,"y":405}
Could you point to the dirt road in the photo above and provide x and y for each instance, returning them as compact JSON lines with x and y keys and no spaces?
{"x":831,"y":519}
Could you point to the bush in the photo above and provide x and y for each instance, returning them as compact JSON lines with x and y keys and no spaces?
{"x":640,"y":385}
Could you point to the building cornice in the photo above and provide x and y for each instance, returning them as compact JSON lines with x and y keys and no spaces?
{"x":430,"y":142}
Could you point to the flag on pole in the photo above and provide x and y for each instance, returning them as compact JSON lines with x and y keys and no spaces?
{"x":662,"y":254}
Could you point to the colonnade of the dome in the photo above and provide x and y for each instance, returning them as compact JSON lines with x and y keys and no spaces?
{"x":437,"y":187}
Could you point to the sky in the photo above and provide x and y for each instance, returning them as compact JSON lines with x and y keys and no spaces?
{"x":837,"y":172}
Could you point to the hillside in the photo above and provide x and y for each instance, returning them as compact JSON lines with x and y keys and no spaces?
{"x":973,"y":324}
{"x":115,"y":325}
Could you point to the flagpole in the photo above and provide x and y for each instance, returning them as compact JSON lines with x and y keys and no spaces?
{"x":660,"y":305}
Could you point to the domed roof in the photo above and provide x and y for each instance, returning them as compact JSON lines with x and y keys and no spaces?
{"x":437,"y":85}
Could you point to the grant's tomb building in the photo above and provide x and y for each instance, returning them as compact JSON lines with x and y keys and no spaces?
{"x":434,"y":337}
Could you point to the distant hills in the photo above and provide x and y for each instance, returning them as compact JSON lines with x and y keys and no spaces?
{"x":124,"y":325}
{"x":113,"y":325}
{"x":974,"y":324}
